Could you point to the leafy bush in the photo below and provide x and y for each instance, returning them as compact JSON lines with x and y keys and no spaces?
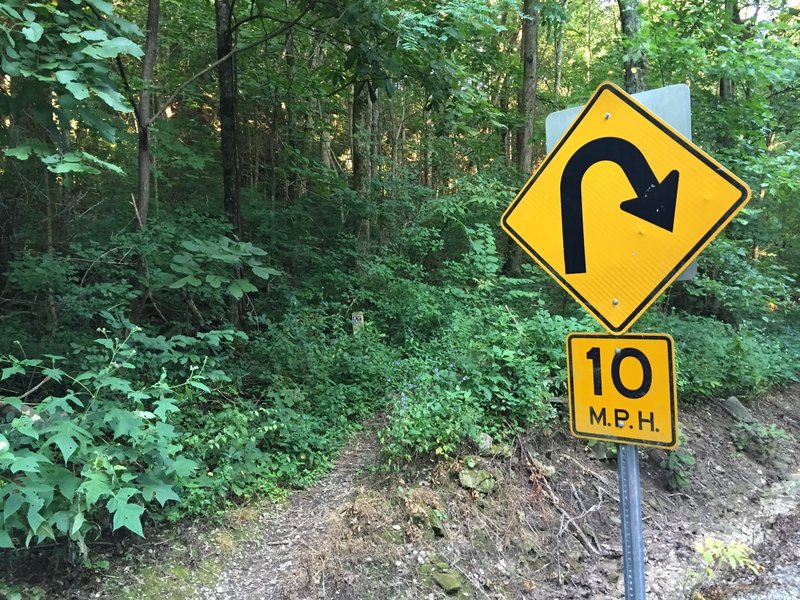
{"x":715,"y":358}
{"x":760,"y":440}
{"x":95,"y":452}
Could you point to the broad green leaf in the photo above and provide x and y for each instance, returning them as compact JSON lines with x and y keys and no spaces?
{"x":77,"y":523}
{"x":162,"y":491}
{"x":264,"y":272}
{"x":33,"y":32}
{"x":114,"y":47}
{"x":94,"y":487}
{"x":94,"y":35}
{"x":129,"y":516}
{"x":12,"y":504}
{"x":103,"y":6}
{"x":72,"y":38}
{"x":189,"y":279}
{"x":78,"y":90}
{"x":65,"y":444}
{"x":164,"y":406}
{"x":5,"y":539}
{"x":14,"y":369}
{"x":113,"y":98}
{"x":106,"y":165}
{"x":126,"y":514}
{"x":215,"y":280}
{"x":24,"y":425}
{"x":199,"y":385}
{"x":124,"y":422}
{"x":10,"y":68}
{"x":240,"y":287}
{"x":54,"y":373}
{"x":27,"y":461}
{"x":66,"y":76}
{"x":34,"y":516}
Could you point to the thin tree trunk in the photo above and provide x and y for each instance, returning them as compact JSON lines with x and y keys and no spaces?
{"x":559,"y":54}
{"x":143,"y":113}
{"x":227,"y":112}
{"x":527,"y":96}
{"x":360,"y":136}
{"x":635,"y":65}
{"x":141,"y":203}
{"x":226,"y":71}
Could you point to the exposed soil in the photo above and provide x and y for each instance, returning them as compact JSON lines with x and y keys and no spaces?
{"x":548,"y":528}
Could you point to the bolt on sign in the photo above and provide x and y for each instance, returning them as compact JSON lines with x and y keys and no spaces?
{"x":621,"y":206}
{"x":622,"y":388}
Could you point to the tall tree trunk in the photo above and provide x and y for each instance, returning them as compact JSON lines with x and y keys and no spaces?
{"x":360,"y":136}
{"x":143,"y":112}
{"x":527,"y":96}
{"x":141,"y":203}
{"x":227,"y":116}
{"x":227,"y":113}
{"x":635,"y":65}
{"x":559,"y":51}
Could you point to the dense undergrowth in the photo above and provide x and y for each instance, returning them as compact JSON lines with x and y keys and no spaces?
{"x":114,"y":425}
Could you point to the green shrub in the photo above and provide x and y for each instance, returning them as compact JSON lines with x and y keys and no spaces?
{"x":95,"y":453}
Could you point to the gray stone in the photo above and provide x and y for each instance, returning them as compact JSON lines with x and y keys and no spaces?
{"x":450,"y":581}
{"x":737,"y":410}
{"x":477,"y":479}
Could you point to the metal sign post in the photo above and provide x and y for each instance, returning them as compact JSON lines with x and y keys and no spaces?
{"x":630,"y":507}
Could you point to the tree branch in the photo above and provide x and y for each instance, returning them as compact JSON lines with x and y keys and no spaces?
{"x":287,"y":25}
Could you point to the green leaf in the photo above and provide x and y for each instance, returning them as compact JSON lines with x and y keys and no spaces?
{"x":240,"y":287}
{"x":12,"y":504}
{"x":78,"y":90}
{"x":114,"y":47}
{"x":94,"y":487}
{"x":14,"y":369}
{"x":215,"y":280}
{"x":10,"y":68}
{"x":5,"y":539}
{"x":72,"y":38}
{"x":264,"y":272}
{"x":27,"y":461}
{"x":94,"y":35}
{"x":164,"y":406}
{"x":77,"y":523}
{"x":33,"y":32}
{"x":162,"y":491}
{"x":66,"y":76}
{"x":34,"y":516}
{"x":189,"y":279}
{"x":65,"y":444}
{"x":102,"y":6}
{"x":112,"y":97}
{"x":126,"y":514}
{"x":199,"y":385}
{"x":56,"y":374}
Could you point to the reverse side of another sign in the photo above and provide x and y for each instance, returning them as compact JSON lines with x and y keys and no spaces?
{"x":622,"y":388}
{"x":621,"y":206}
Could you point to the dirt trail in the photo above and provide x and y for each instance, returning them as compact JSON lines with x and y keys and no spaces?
{"x":549,"y":529}
{"x":267,"y":566}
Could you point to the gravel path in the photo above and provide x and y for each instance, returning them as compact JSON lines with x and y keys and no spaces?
{"x":783,"y":584}
{"x":265,"y":567}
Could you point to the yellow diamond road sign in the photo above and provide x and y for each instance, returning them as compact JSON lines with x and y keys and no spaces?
{"x":622,"y":388}
{"x":621,"y":206}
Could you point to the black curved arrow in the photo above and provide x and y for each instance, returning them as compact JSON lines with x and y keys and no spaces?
{"x":654,"y":202}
